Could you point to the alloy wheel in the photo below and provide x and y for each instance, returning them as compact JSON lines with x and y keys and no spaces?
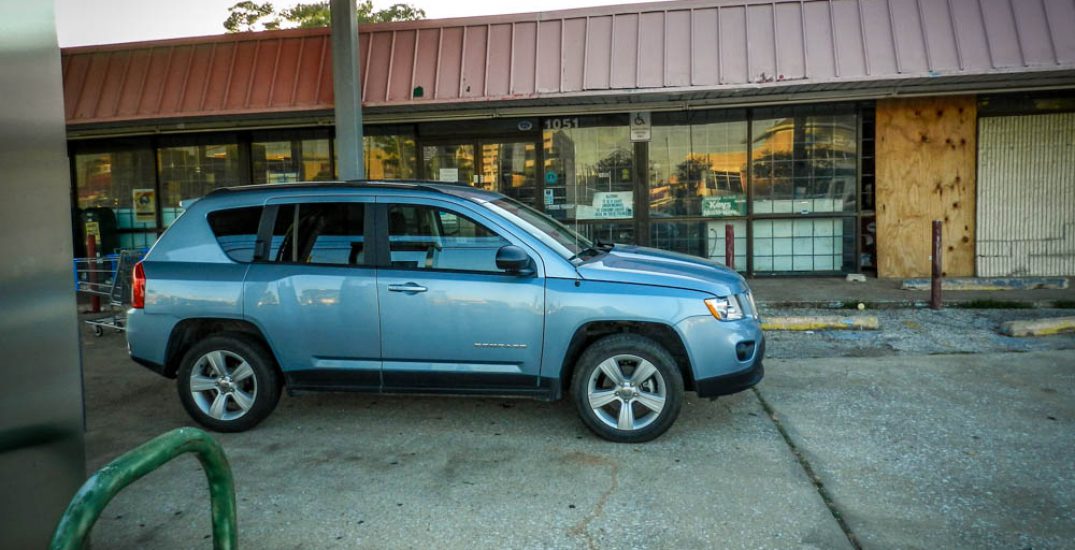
{"x":626,"y":392}
{"x":223,"y":385}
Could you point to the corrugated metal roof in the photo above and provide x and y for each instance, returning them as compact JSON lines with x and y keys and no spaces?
{"x":679,"y":47}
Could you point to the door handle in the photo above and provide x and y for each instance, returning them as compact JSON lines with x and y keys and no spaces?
{"x":408,"y":287}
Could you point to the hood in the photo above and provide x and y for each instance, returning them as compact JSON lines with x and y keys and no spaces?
{"x":649,"y":266}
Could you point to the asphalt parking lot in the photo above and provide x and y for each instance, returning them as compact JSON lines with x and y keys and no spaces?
{"x":916,"y":451}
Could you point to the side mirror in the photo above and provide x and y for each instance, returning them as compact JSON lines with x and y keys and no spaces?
{"x":513,"y":259}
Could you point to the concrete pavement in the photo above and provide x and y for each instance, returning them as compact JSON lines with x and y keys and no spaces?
{"x":939,"y":451}
{"x":913,"y":451}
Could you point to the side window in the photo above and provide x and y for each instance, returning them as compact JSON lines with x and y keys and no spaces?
{"x":236,"y":231}
{"x":427,"y":237}
{"x":319,"y":233}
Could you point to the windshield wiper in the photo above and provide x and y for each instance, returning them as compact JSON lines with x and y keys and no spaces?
{"x":597,"y":248}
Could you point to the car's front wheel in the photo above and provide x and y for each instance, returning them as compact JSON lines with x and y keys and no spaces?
{"x":627,"y":388}
{"x":228,"y":383}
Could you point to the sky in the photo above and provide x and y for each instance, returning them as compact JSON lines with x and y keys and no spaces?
{"x":85,"y":22}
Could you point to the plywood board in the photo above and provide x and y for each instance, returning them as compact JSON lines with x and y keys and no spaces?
{"x":925,"y":171}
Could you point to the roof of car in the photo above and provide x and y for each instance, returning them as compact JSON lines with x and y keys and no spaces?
{"x":456,"y":189}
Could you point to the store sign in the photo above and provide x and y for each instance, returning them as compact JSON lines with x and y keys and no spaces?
{"x":723,"y":206}
{"x":640,"y":126}
{"x":615,"y":204}
{"x":145,"y":205}
{"x":93,"y":229}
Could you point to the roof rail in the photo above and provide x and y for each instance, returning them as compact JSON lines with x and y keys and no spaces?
{"x":434,"y":186}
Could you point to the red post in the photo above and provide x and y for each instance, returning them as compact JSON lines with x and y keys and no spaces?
{"x":91,"y":272}
{"x":935,"y":282}
{"x":729,"y":246}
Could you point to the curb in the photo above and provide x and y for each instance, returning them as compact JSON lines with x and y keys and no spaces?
{"x":1038,"y":327}
{"x":821,"y":322}
{"x":990,"y":283}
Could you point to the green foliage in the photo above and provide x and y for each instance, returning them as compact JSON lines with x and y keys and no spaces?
{"x":250,"y":16}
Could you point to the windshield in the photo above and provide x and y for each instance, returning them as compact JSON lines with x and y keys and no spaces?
{"x":558,"y":236}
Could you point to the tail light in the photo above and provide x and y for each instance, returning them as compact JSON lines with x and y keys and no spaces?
{"x":138,"y":287}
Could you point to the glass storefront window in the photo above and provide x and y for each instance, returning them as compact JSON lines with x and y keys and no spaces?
{"x":812,"y":244}
{"x":804,"y":160}
{"x":509,"y":168}
{"x":698,"y":164}
{"x":290,"y":160}
{"x":191,"y":171}
{"x":390,"y":156}
{"x":622,"y":233}
{"x":120,"y":180}
{"x":449,"y":163}
{"x":589,"y":167}
{"x":703,"y":238}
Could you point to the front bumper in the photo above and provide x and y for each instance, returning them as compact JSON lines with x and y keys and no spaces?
{"x":735,"y":382}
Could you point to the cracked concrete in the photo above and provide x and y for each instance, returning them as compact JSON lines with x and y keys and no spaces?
{"x":367,"y":471}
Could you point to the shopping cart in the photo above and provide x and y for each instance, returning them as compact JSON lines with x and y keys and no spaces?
{"x":108,"y":277}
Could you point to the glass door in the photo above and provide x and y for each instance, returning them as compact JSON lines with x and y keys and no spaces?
{"x":449,"y":162}
{"x":508,"y":167}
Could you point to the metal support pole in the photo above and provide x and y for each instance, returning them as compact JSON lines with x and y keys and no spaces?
{"x":91,"y":273}
{"x":729,"y":246}
{"x":348,"y":95}
{"x":935,"y":282}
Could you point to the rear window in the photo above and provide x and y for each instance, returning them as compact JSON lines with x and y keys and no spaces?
{"x":236,"y":231}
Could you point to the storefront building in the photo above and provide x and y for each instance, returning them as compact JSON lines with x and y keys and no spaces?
{"x":828,"y":134}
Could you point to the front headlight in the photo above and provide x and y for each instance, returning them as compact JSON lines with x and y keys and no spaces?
{"x":725,"y":309}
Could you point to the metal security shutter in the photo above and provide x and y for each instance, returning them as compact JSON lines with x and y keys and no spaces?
{"x":1026,"y":195}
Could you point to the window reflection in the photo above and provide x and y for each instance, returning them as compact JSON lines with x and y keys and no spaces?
{"x":390,"y":157}
{"x":289,"y":161}
{"x":192,"y":171}
{"x":109,"y":182}
{"x":589,"y":168}
{"x":702,"y":238}
{"x":450,"y":163}
{"x":804,"y":160}
{"x":622,"y":233}
{"x":509,"y":168}
{"x":698,"y":165}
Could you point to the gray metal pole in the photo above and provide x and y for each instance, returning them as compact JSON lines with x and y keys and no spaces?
{"x":345,"y":72}
{"x":42,"y":457}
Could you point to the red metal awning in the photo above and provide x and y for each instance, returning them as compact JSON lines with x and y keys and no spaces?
{"x":688,"y":48}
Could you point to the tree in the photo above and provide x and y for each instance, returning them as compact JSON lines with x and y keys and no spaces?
{"x":249,"y":15}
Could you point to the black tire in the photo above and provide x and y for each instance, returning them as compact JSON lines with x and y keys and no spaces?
{"x":625,"y":349}
{"x":234,"y":348}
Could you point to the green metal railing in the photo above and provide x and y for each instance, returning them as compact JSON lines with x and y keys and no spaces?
{"x":94,"y":495}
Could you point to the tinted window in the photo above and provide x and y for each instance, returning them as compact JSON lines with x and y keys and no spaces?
{"x":426,"y":237}
{"x":236,"y":230}
{"x":319,"y":233}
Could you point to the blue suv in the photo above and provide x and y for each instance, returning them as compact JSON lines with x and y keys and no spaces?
{"x":426,"y":288}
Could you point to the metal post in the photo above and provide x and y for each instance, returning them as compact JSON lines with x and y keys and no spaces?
{"x":91,"y":273}
{"x":345,"y":81}
{"x":935,"y":282}
{"x":729,"y":246}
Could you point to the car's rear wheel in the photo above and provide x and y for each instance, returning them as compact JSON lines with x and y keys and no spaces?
{"x":228,"y":383}
{"x":627,"y":388}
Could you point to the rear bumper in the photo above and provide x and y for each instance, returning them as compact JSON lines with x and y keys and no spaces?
{"x":734,"y":382}
{"x":155,"y":367}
